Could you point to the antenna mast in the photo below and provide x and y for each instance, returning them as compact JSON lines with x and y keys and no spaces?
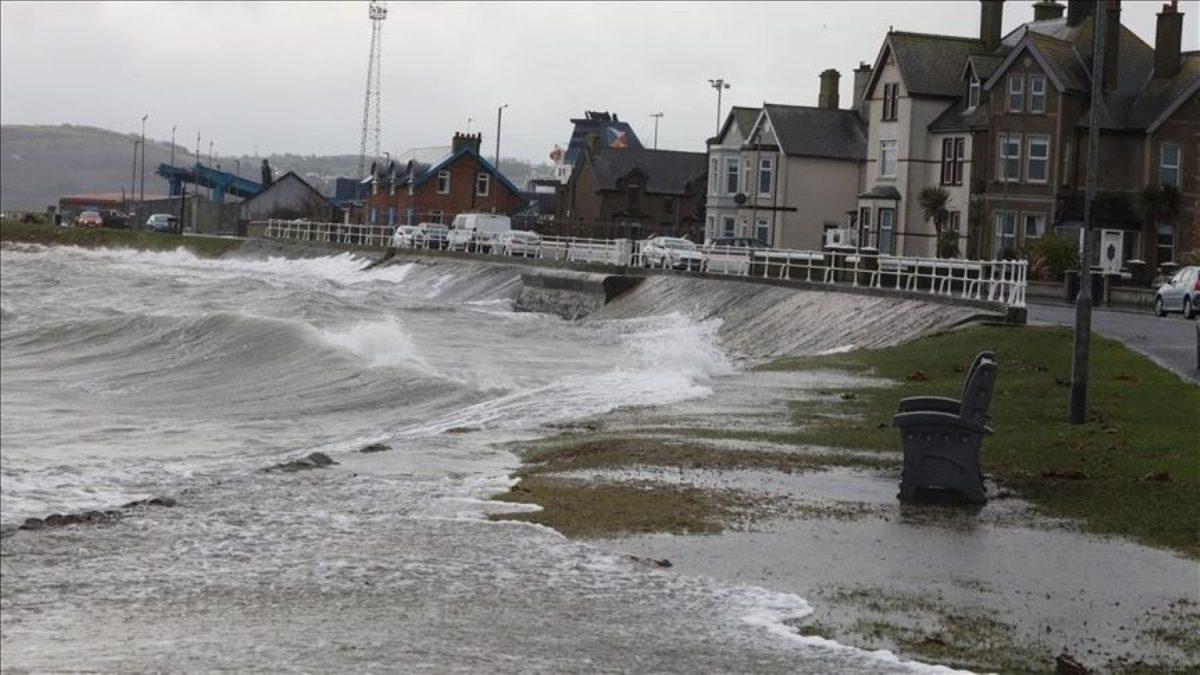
{"x":377,"y":11}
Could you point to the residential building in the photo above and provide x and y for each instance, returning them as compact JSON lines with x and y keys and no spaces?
{"x":419,"y":190}
{"x":795,"y":174}
{"x":1000,"y":123}
{"x":612,"y":132}
{"x":634,"y":192}
{"x":288,"y":196}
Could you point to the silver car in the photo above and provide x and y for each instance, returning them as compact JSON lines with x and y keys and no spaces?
{"x":1180,"y":294}
{"x":671,"y":252}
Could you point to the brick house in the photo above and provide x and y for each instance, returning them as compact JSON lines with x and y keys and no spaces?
{"x":634,"y":192}
{"x":1000,"y":123}
{"x":422,"y":190}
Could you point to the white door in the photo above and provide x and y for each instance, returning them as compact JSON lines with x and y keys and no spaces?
{"x":1110,"y":251}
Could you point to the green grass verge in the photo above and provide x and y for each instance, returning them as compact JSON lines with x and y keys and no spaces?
{"x":49,"y":235}
{"x":1133,"y":469}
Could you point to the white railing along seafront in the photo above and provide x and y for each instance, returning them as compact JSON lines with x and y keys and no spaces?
{"x":1000,"y":281}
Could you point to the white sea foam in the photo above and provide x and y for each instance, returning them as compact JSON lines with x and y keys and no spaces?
{"x":379,"y":344}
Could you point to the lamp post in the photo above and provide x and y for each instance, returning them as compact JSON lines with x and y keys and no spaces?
{"x":133,"y":175}
{"x":719,"y":84}
{"x":657,"y":116}
{"x":142,"y":190}
{"x":210,"y":164}
{"x":172,"y":145}
{"x":499,"y":119}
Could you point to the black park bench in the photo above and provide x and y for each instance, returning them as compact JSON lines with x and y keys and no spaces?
{"x":941,"y":437}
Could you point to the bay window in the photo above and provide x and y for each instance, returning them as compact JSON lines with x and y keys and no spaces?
{"x":731,"y":176}
{"x":1035,"y":225}
{"x":887,"y":226}
{"x":1006,"y":234}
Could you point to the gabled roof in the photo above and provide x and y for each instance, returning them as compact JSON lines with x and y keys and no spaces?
{"x":957,"y":117}
{"x":667,"y":172}
{"x":930,"y":65}
{"x":982,"y":64}
{"x":1154,"y":104}
{"x":806,"y":131}
{"x":281,"y":179}
{"x":613,"y":133}
{"x":743,"y":117}
{"x":1058,"y":58}
{"x":433,"y":170}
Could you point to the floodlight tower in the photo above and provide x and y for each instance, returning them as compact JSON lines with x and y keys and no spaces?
{"x":377,"y":11}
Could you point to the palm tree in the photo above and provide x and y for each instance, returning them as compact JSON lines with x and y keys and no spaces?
{"x":933,"y":202}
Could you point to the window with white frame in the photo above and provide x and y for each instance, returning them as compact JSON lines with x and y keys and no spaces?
{"x":1016,"y":93}
{"x":710,"y":228}
{"x":443,"y":182}
{"x":435,"y":216}
{"x":1035,"y":225}
{"x":1168,"y":164}
{"x":766,"y":172}
{"x":973,"y":92}
{"x":729,"y":225}
{"x":762,"y":230}
{"x":1165,"y":242}
{"x":1006,"y":234}
{"x":714,"y":176}
{"x":864,"y":219}
{"x":887,"y":158}
{"x":731,"y":176}
{"x":887,"y":227}
{"x":891,"y":95}
{"x":1037,"y":162}
{"x":746,"y":168}
{"x":1037,"y":94}
{"x":483,"y":184}
{"x":1009,"y":158}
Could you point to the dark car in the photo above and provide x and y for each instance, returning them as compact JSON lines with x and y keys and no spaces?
{"x":114,"y":220}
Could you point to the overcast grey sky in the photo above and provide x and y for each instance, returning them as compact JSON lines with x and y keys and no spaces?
{"x":290,"y":76}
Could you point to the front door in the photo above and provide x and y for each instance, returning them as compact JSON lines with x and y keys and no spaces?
{"x":1111,"y":251}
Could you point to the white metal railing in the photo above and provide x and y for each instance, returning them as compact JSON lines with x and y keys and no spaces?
{"x":1000,"y":281}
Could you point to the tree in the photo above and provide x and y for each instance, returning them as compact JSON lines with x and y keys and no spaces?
{"x":933,"y":201}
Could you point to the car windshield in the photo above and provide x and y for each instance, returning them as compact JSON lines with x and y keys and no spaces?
{"x":677,"y":244}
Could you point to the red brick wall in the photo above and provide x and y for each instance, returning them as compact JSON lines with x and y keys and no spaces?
{"x":460,"y":199}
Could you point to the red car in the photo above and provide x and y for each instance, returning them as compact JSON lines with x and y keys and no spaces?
{"x":89,"y":219}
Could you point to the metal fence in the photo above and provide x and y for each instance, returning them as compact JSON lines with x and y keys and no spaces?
{"x":1000,"y":281}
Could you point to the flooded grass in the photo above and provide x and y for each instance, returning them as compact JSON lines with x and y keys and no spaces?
{"x":1133,"y":469}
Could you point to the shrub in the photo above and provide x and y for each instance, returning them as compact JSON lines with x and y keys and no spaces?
{"x":1050,"y":257}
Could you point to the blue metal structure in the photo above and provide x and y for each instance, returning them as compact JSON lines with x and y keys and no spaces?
{"x":220,"y":182}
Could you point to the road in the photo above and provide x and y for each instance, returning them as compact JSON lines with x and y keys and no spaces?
{"x":1170,"y":342}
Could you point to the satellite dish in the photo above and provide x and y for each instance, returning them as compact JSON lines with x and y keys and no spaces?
{"x":739,"y":198}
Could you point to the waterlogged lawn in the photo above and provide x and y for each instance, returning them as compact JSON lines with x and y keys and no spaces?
{"x":49,"y":235}
{"x":1133,"y":469}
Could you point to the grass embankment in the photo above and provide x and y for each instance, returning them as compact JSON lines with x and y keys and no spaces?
{"x":49,"y":235}
{"x":1133,"y":469}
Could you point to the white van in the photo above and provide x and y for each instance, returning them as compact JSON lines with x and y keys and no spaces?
{"x":477,"y":231}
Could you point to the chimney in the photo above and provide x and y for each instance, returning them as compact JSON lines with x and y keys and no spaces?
{"x":1167,"y":41}
{"x":861,"y":74}
{"x":828,"y":98}
{"x":1112,"y":44}
{"x":462,"y":140}
{"x":991,"y":18}
{"x":1045,"y":10}
{"x":1078,"y":11}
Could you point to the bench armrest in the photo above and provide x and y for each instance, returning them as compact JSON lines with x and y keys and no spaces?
{"x":930,"y":403}
{"x":928,"y":418}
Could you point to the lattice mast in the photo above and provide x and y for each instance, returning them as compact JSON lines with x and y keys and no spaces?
{"x":377,"y":11}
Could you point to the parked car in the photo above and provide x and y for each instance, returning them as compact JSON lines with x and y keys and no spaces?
{"x":407,"y":236}
{"x":89,"y":219}
{"x":1180,"y":294}
{"x":519,"y":242}
{"x":477,"y":231}
{"x":161,"y":222}
{"x":114,"y":219}
{"x":435,"y":235}
{"x":671,"y":252}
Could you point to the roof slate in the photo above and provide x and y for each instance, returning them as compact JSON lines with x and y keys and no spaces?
{"x":931,"y":65}
{"x":667,"y":171}
{"x":818,"y":132}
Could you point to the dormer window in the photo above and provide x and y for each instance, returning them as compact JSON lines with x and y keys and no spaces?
{"x":973,"y":93}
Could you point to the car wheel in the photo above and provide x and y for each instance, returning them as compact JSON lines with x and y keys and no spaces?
{"x":1159,"y":309}
{"x":1189,"y":312}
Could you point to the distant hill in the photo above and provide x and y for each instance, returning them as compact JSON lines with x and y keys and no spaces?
{"x":40,"y":163}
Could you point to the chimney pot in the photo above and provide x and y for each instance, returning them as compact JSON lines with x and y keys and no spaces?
{"x":1045,"y":10}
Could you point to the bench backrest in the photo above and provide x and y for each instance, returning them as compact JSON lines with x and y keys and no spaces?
{"x":978,"y":396}
{"x":979,"y":358}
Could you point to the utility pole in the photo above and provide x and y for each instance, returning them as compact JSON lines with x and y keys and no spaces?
{"x":499,"y":118}
{"x":719,"y":84}
{"x":142,"y":191}
{"x":1083,"y":302}
{"x":657,"y":116}
{"x":172,"y":145}
{"x":210,"y":164}
{"x":133,"y":176}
